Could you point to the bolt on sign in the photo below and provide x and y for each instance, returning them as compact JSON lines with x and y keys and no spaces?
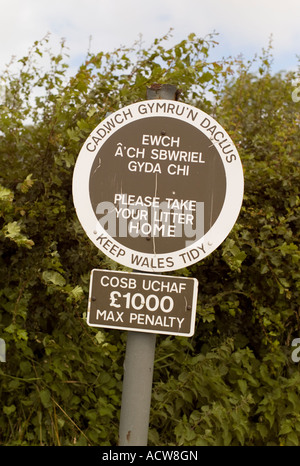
{"x":158,"y":185}
{"x":142,"y":302}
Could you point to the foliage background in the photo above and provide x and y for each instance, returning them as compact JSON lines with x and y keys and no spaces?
{"x":233,"y":382}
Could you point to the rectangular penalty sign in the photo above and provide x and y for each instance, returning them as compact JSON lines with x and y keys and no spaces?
{"x":142,"y":302}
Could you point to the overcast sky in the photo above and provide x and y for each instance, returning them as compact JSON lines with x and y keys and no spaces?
{"x":244,"y":26}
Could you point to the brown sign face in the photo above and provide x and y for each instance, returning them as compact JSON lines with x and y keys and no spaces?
{"x":142,"y":302}
{"x":157,"y":184}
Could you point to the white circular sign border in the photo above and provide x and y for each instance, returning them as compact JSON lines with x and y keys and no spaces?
{"x":207,"y":243}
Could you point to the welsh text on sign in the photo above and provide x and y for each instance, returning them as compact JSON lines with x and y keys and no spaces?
{"x":142,"y":302}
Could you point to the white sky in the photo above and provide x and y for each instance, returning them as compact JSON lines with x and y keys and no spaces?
{"x":244,"y":26}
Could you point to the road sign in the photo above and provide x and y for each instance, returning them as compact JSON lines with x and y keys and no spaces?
{"x":158,"y":185}
{"x":142,"y":302}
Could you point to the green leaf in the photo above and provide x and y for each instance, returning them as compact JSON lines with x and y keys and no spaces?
{"x":285,"y":428}
{"x":9,"y":409}
{"x":293,"y":439}
{"x":6,"y":194}
{"x":45,"y":397}
{"x":75,"y":294}
{"x":51,"y":276}
{"x":22,"y":334}
{"x":27,"y":184}
{"x":243,"y":386}
{"x":13,"y":231}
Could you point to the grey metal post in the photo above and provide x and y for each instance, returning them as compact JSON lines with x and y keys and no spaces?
{"x":139,"y":357}
{"x":137,"y":388}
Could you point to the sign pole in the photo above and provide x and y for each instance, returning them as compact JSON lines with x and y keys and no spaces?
{"x":139,"y":356}
{"x":137,"y":389}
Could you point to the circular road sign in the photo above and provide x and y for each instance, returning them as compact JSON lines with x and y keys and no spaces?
{"x":158,"y":185}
